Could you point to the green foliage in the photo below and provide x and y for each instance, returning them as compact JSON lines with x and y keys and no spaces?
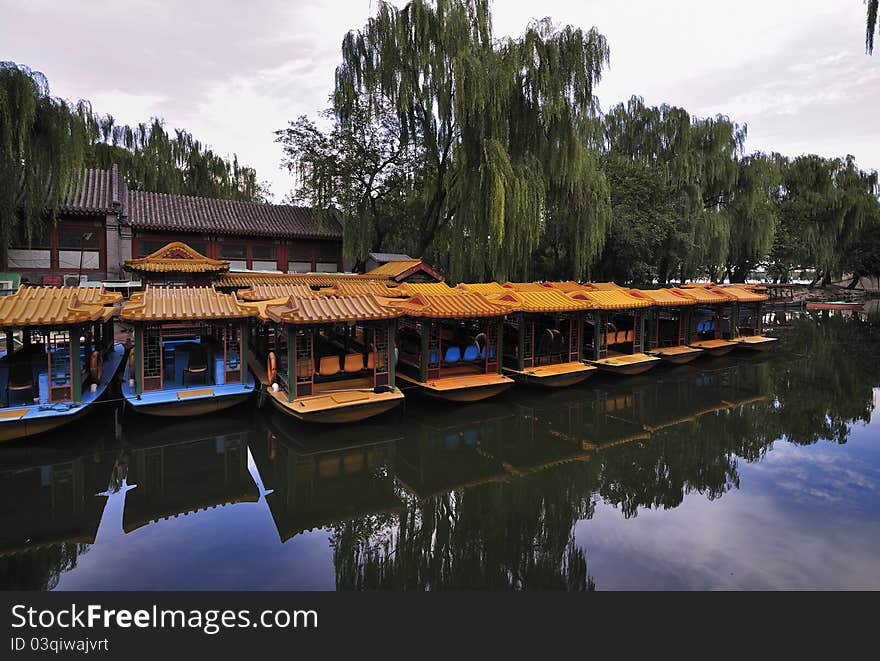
{"x":502,"y":131}
{"x":46,"y":142}
{"x":871,"y":25}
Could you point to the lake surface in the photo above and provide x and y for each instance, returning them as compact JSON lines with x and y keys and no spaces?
{"x":749,"y":471}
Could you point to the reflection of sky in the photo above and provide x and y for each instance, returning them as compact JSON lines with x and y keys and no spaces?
{"x":804,"y":517}
{"x":225,"y":548}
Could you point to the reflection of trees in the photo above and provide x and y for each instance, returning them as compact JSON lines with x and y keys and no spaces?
{"x":824,"y":378}
{"x":40,"y":568}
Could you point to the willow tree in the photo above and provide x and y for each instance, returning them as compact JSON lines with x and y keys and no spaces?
{"x":502,"y":130}
{"x":43,"y":147}
{"x":156,"y":160}
{"x":697,"y":158}
{"x":871,"y":26}
{"x":752,"y":213}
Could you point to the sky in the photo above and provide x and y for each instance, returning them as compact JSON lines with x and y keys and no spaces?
{"x":794,"y":71}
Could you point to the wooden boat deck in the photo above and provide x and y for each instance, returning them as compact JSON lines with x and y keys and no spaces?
{"x":629,"y":364}
{"x":557,"y":375}
{"x":756,"y":342}
{"x":677,"y":355}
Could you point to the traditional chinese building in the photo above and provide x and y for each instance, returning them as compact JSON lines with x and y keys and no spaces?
{"x":102,"y":223}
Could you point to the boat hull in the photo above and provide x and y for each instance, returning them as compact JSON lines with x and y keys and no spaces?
{"x":715,"y":348}
{"x":676,"y":355}
{"x":472,"y":388}
{"x":552,"y":376}
{"x":189,"y":408}
{"x":323,"y":409}
{"x":627,"y":365}
{"x":756,"y":343}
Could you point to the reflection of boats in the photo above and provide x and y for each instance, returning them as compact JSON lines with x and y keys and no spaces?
{"x":50,"y":499}
{"x":60,"y":356}
{"x":186,"y":467}
{"x":189,"y":355}
{"x":326,"y":475}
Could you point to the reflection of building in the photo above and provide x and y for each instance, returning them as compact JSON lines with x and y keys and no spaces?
{"x":102,"y":223}
{"x":183,"y":477}
{"x":49,"y":514}
{"x":331,"y":478}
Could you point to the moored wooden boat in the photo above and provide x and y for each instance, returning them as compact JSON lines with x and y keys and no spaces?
{"x":65,"y":360}
{"x":544,"y":341}
{"x":190,"y":352}
{"x":715,"y":348}
{"x":834,"y":305}
{"x":667,"y":326}
{"x":756,"y":342}
{"x":628,"y":364}
{"x":450,"y":345}
{"x":678,"y":355}
{"x":327,"y":359}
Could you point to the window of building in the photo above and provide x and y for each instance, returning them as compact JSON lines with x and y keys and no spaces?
{"x":299,"y":258}
{"x":326,"y":258}
{"x":264,"y":258}
{"x":77,"y":238}
{"x":235,"y":254}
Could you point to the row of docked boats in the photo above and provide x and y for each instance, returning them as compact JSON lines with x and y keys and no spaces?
{"x":341,"y":353}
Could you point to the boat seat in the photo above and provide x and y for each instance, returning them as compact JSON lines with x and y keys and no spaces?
{"x":483,"y":353}
{"x":197,"y":362}
{"x":432,"y":357}
{"x":354,"y":362}
{"x":453,"y":355}
{"x":470,"y":437}
{"x":471,"y":352}
{"x":371,"y":360}
{"x":328,"y":365}
{"x":630,"y":335}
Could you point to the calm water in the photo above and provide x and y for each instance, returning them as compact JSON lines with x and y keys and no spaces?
{"x":744,"y":472}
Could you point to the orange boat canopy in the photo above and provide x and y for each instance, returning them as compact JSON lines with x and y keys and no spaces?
{"x":614,"y":299}
{"x":466,"y":305}
{"x":56,"y":306}
{"x":433,"y":288}
{"x":566,"y":285}
{"x":740,"y":294}
{"x":352,"y":288}
{"x":330,"y":309}
{"x":183,"y":304}
{"x":485,"y":288}
{"x":702,"y":295}
{"x":524,"y":286}
{"x":277,"y":290}
{"x":238,"y":279}
{"x":547,"y":300}
{"x":176,"y":257}
{"x":601,"y":286}
{"x":665,"y":297}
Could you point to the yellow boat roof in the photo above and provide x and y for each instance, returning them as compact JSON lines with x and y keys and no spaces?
{"x":485,"y":288}
{"x":176,"y":257}
{"x":350,"y":288}
{"x":614,"y":299}
{"x":566,"y":285}
{"x":546,"y":300}
{"x":433,"y":288}
{"x":601,"y":286}
{"x":702,"y":295}
{"x":56,"y":306}
{"x":239,"y":279}
{"x":183,"y":304}
{"x":465,"y":305}
{"x":524,"y":286}
{"x":666,"y":297}
{"x":278,"y":290}
{"x":330,"y":309}
{"x":740,"y":294}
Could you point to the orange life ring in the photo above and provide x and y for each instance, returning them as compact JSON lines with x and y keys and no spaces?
{"x":96,"y":366}
{"x":271,"y":367}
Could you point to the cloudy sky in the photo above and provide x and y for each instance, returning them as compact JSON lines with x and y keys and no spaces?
{"x":794,"y":71}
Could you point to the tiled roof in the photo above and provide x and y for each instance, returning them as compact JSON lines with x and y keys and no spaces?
{"x":399,"y":269}
{"x":740,"y":294}
{"x":485,"y":288}
{"x":238,"y":279}
{"x":354,"y":288}
{"x":182,"y":304}
{"x":702,"y":295}
{"x":466,"y":305}
{"x":566,"y":285}
{"x":524,"y":286}
{"x":548,"y":300}
{"x":617,"y":299}
{"x":176,"y":257}
{"x":55,"y":306}
{"x":434,"y":288}
{"x":330,"y":309}
{"x":665,"y":296}
{"x":277,"y":290}
{"x":183,"y":213}
{"x":387,"y":256}
{"x":94,"y":191}
{"x":601,"y":286}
